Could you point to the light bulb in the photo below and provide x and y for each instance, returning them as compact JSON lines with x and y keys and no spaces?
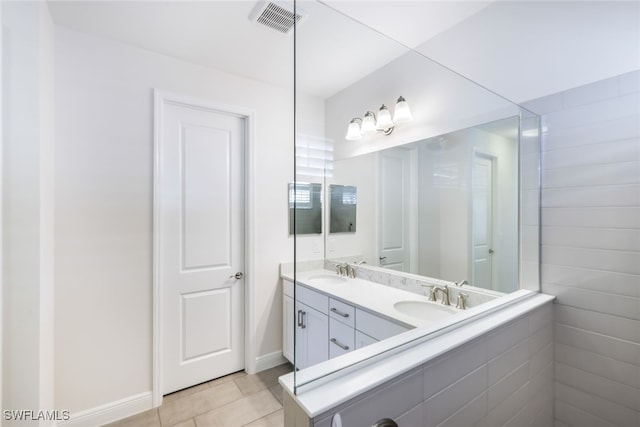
{"x":402,"y":113}
{"x":384,"y":121}
{"x":353,"y":131}
{"x":368,"y":123}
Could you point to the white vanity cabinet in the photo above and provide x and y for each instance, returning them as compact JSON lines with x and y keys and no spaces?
{"x":326,"y":327}
{"x":307,"y":319}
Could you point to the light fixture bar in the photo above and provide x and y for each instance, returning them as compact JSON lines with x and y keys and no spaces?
{"x":383,"y":122}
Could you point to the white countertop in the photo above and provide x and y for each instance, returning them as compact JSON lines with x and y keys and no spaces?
{"x":368,"y":295}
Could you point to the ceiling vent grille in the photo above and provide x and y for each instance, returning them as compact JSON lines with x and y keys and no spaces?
{"x":278,"y":17}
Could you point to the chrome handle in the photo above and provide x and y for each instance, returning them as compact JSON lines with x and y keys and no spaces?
{"x":491,"y":251}
{"x":302,"y":325}
{"x":339,"y":344}
{"x":299,"y":317}
{"x":339,"y":313}
{"x":237,"y":276}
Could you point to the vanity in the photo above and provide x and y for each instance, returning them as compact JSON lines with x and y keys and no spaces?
{"x":333,"y":314}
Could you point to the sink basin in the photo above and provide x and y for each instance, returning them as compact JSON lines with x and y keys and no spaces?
{"x":327,"y":279}
{"x":424,"y":310}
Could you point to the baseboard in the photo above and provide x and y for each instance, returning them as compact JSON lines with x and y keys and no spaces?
{"x":110,"y":412}
{"x":269,"y":361}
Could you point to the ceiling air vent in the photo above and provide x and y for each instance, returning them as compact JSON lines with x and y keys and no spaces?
{"x":277,"y":16}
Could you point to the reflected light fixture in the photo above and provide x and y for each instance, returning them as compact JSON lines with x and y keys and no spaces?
{"x":371,"y":124}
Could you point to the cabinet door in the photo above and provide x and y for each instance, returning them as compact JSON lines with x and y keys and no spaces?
{"x":312,"y":336}
{"x":288,"y":327}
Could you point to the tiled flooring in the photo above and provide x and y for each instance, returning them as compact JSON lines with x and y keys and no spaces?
{"x":235,"y":400}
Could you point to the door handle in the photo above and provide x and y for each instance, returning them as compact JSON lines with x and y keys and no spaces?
{"x":239,"y":275}
{"x":382,"y":258}
{"x":299,"y":317}
{"x":491,"y":251}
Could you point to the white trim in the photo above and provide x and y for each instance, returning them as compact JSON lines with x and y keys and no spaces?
{"x":160,"y":98}
{"x":110,"y":412}
{"x":269,"y":361}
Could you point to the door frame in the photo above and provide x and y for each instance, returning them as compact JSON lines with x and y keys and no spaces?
{"x":161,"y":98}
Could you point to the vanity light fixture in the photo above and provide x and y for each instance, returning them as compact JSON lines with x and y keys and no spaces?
{"x":371,"y":124}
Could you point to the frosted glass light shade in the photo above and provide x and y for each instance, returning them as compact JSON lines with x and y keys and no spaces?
{"x":368,"y":123}
{"x":353,"y":131}
{"x":384,"y":119}
{"x":402,"y":112}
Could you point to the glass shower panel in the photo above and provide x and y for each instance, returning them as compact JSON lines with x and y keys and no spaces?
{"x":368,"y":113}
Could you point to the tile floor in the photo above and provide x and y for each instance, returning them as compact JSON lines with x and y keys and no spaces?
{"x":234,"y":400}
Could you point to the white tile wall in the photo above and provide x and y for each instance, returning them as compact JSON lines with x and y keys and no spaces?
{"x":591,"y":249}
{"x":504,"y":378}
{"x":501,"y":379}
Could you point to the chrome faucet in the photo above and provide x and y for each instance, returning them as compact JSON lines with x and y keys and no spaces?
{"x":445,"y":294}
{"x":345,"y":270}
{"x":351,"y":271}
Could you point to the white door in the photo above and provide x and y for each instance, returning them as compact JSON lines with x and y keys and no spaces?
{"x":393,"y":210}
{"x":482,"y":225}
{"x":201,"y":226}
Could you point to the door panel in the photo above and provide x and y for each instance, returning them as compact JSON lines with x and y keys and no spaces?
{"x":206,"y":217}
{"x":201,"y":244}
{"x":483,"y":221}
{"x":393,"y":241}
{"x":211,"y":308}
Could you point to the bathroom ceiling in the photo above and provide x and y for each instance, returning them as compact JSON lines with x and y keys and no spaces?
{"x":518,"y":49}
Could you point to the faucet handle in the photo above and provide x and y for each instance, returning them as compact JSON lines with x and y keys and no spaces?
{"x":351,"y":271}
{"x":432,"y":292}
{"x":462,"y":301}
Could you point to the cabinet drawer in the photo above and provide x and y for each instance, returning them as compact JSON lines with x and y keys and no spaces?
{"x":312,"y":298}
{"x":377,"y":327}
{"x":341,"y":338}
{"x":342,"y":312}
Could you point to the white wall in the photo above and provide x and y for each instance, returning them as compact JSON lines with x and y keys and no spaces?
{"x":591,"y":248}
{"x":27,"y":347}
{"x":104,"y":158}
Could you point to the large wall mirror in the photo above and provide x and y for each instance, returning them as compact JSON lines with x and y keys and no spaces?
{"x":444,"y":207}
